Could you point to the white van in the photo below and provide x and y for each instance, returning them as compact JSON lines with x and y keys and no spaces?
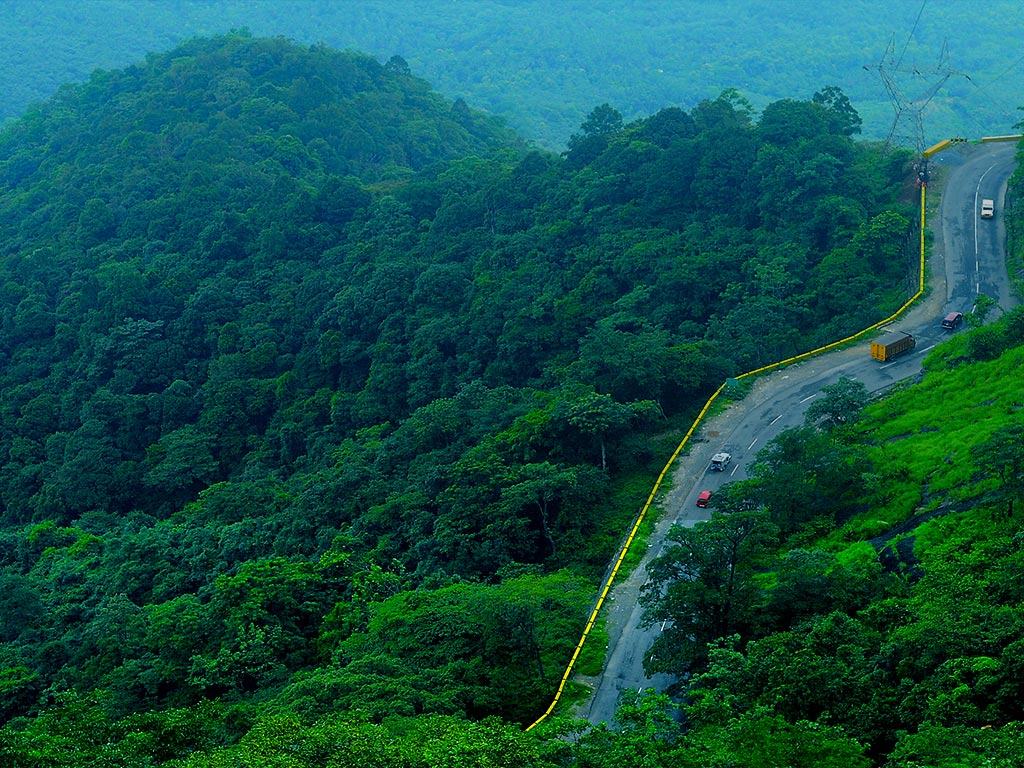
{"x":720,"y":461}
{"x":988,"y":209}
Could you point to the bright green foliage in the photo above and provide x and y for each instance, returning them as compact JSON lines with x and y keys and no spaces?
{"x":426,"y":742}
{"x":759,"y":740}
{"x":910,"y":454}
{"x":960,"y":747}
{"x":908,"y":644}
{"x":77,"y":732}
{"x":322,"y":394}
{"x":646,"y":734}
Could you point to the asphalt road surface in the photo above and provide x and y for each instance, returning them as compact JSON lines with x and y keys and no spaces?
{"x":967,"y":258}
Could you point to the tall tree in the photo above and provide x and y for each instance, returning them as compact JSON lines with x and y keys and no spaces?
{"x":703,"y":587}
{"x":844,"y":117}
{"x":840,"y":404}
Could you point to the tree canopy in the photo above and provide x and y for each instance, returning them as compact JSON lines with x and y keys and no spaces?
{"x":327,"y":398}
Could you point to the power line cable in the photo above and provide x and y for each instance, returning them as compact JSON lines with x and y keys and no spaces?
{"x":911,"y":35}
{"x":1007,"y":71}
{"x":998,"y":100}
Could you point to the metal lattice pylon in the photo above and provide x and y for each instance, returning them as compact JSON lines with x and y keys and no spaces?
{"x":908,"y":119}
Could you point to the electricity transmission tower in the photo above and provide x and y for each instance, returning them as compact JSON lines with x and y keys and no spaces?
{"x":908,"y":120}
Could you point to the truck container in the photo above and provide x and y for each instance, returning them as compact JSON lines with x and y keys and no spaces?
{"x":888,"y":347}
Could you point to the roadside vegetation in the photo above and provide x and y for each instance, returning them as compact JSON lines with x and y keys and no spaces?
{"x":1013,"y":217}
{"x":900,"y":623}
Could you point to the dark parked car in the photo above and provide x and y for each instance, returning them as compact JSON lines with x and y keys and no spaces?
{"x":952,"y":321}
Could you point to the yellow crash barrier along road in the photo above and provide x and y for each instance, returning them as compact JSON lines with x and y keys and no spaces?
{"x":606,"y":587}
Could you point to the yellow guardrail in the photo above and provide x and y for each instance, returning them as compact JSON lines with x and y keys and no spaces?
{"x":1008,"y":137}
{"x":606,"y":587}
{"x":935,"y":148}
{"x":622,"y":555}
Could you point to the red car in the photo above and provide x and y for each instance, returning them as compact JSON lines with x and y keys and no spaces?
{"x":703,"y":498}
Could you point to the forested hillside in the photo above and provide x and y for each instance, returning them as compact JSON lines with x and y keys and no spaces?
{"x":522,"y":61}
{"x":326,"y":399}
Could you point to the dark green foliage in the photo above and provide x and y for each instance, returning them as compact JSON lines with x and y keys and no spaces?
{"x":806,"y":474}
{"x":322,"y":394}
{"x":1002,"y":457}
{"x":76,"y":732}
{"x":840,"y":112}
{"x":465,"y":648}
{"x":840,"y":403}
{"x":703,"y":587}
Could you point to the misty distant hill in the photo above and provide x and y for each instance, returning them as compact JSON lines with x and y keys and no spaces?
{"x":543,"y":66}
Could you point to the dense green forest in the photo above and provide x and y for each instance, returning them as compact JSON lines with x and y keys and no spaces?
{"x":326,"y":401}
{"x":520,"y":59}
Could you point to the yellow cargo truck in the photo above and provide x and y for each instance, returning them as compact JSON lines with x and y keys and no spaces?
{"x":888,"y":347}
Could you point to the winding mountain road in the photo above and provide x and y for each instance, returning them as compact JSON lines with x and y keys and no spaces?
{"x":967,"y":258}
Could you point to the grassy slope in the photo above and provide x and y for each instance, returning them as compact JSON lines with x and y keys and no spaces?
{"x":921,"y":438}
